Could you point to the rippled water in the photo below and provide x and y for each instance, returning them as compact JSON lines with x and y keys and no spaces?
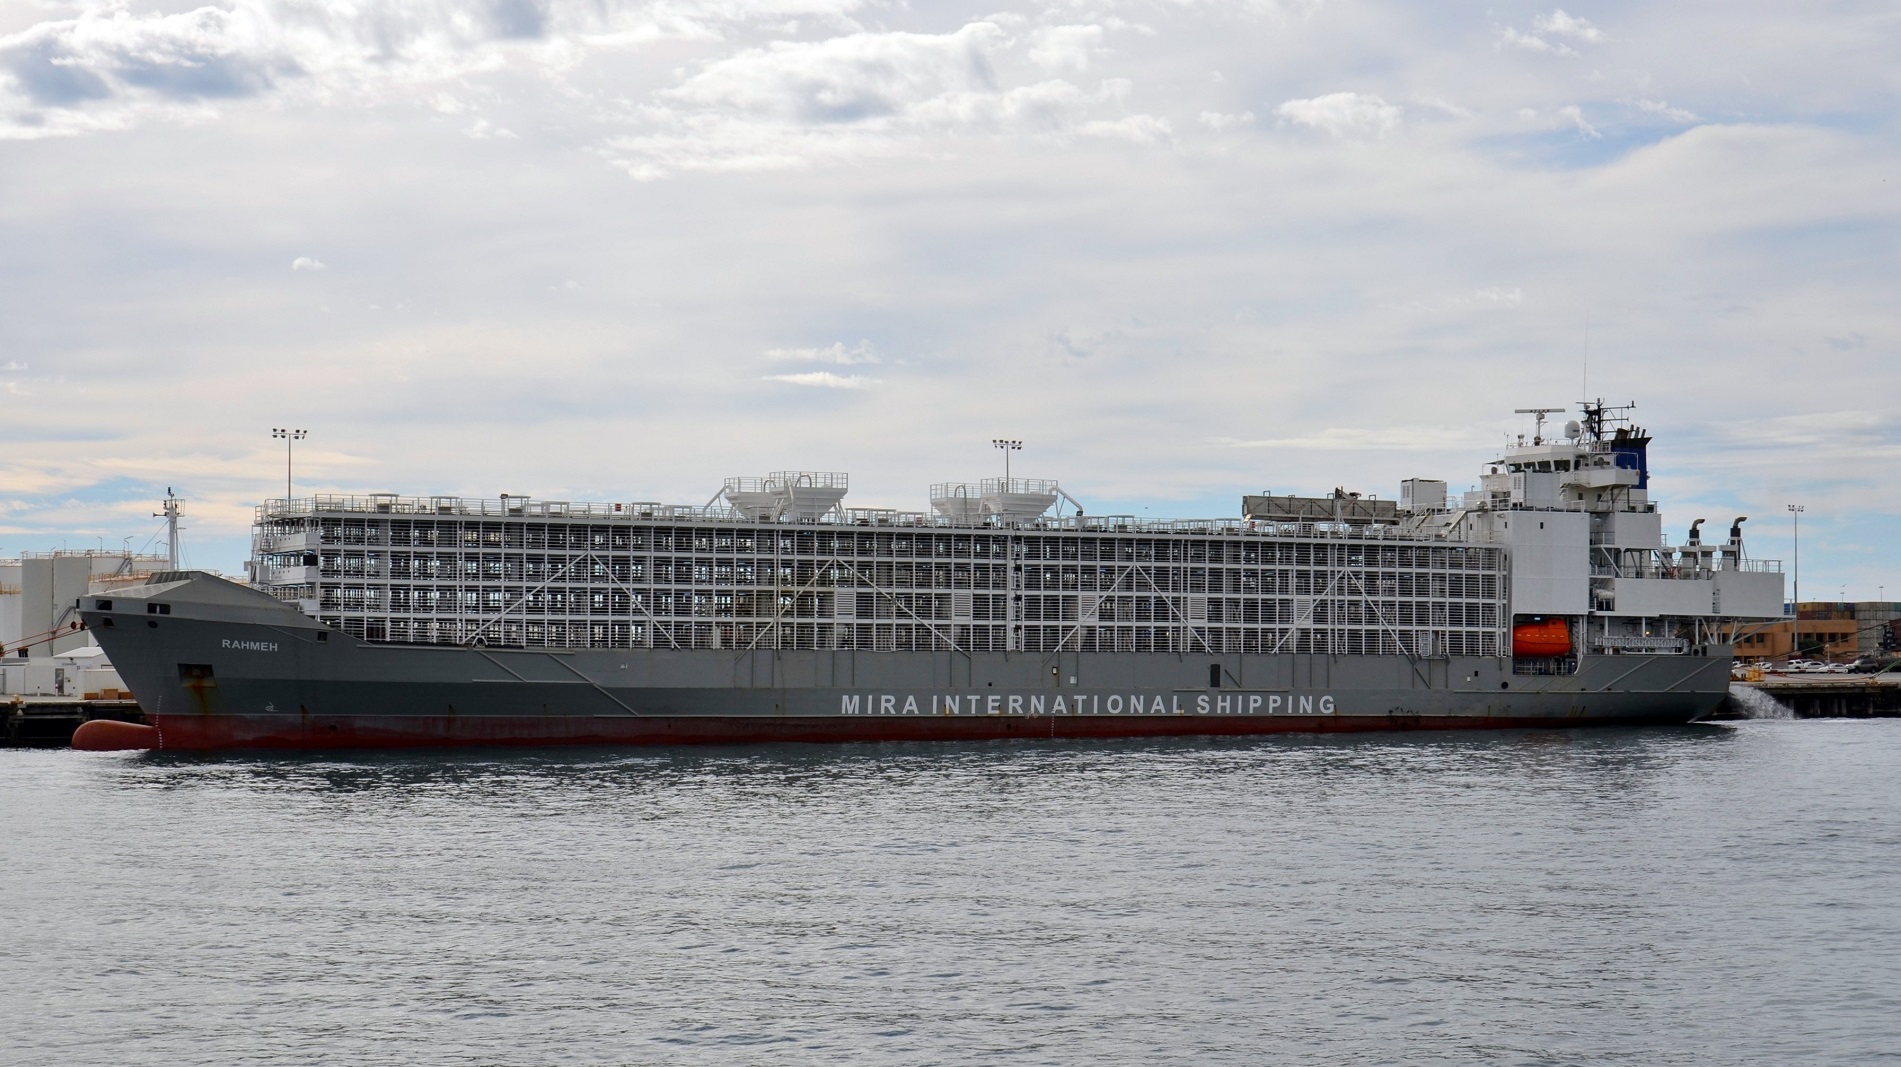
{"x":1718,"y":894}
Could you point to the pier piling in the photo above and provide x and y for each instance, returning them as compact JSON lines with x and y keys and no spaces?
{"x":49,"y":722}
{"x":1833,"y":696}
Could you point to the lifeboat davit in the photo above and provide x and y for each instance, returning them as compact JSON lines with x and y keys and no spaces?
{"x":1541,"y":638}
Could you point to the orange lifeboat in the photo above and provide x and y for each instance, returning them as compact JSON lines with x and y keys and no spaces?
{"x":1541,"y":638}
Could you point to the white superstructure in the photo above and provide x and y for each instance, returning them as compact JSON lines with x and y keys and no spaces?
{"x":1587,"y":542}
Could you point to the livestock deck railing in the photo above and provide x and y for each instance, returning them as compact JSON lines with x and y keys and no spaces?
{"x":374,"y":505}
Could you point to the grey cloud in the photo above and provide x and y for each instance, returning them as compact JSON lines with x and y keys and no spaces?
{"x":864,"y":95}
{"x":783,"y":104}
{"x":204,"y":77}
{"x":119,"y":65}
{"x":847,"y":79}
{"x":49,"y":73}
{"x":204,"y":54}
{"x":519,"y":18}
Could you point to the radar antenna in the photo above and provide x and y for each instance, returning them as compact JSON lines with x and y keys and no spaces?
{"x":1600,"y":417}
{"x":1538,"y":433}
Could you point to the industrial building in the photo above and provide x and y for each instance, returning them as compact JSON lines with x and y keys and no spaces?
{"x":1832,"y":631}
{"x":43,"y":649}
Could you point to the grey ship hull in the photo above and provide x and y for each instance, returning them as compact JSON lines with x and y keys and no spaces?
{"x":230,"y":668}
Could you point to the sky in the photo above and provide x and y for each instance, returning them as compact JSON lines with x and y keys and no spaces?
{"x":1184,"y":250}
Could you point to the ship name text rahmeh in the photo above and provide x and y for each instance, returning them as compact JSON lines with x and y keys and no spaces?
{"x":250,"y":646}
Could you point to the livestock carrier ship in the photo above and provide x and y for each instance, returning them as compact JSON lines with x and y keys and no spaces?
{"x":1546,"y":597}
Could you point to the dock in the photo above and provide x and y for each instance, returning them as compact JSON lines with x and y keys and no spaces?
{"x":49,"y":721}
{"x":1833,"y":696}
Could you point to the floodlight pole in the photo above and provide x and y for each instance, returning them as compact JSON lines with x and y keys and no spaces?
{"x":1795,"y":598}
{"x":1007,"y":446}
{"x":288,"y":436}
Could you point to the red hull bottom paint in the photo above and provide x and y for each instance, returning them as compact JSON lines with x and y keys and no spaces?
{"x":106,"y":735}
{"x":192,"y":732}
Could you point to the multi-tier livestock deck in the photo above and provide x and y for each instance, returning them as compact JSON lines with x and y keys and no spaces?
{"x":520,"y":574}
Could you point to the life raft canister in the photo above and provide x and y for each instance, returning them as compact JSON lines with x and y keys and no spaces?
{"x":1541,"y":638}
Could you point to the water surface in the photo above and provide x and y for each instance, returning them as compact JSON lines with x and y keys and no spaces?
{"x":1707,"y":895}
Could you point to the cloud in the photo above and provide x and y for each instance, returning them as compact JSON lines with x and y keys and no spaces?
{"x":791,"y":105}
{"x":1216,"y":120}
{"x":1556,"y":24}
{"x":1575,"y":115}
{"x":1136,"y":129}
{"x":207,"y":53}
{"x":1444,"y":107}
{"x":1490,"y":296}
{"x":1663,"y":108}
{"x":836,"y":353}
{"x":784,"y":104}
{"x":1344,"y":114}
{"x":483,"y":130}
{"x":823,"y":379}
{"x":109,"y":67}
{"x":1508,"y":37}
{"x":854,"y":78}
{"x":1061,"y":48}
{"x":1497,"y":296}
{"x":1565,"y":25}
{"x":307,"y":263}
{"x":1354,"y":438}
{"x":1845,"y":433}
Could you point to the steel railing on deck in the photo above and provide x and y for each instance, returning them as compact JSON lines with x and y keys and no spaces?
{"x":378,"y":504}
